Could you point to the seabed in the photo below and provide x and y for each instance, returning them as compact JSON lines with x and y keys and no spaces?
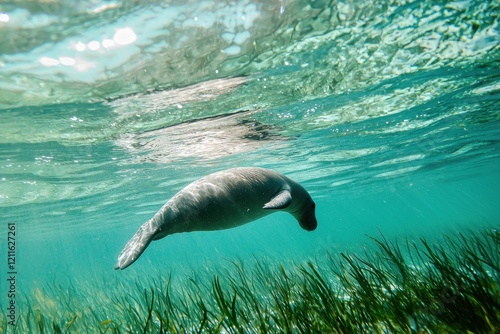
{"x":394,"y":287}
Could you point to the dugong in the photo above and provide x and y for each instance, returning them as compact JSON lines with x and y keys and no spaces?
{"x":220,"y":201}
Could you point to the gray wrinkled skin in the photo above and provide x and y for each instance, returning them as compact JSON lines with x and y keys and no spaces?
{"x":220,"y":201}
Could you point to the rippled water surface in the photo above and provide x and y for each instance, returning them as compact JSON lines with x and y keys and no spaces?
{"x":386,"y":111}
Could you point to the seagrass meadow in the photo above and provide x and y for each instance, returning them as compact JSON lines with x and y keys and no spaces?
{"x":393,"y":286}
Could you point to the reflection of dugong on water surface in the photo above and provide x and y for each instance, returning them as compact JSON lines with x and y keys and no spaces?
{"x":223,"y":200}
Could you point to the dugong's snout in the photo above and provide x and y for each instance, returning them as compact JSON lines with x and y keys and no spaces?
{"x":307,"y":219}
{"x":309,"y":224}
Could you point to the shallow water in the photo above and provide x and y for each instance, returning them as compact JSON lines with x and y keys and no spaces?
{"x":387,"y":112}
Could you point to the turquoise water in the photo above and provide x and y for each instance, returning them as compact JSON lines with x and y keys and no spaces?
{"x":387,"y":112}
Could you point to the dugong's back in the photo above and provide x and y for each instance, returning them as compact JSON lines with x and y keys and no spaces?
{"x":223,"y":200}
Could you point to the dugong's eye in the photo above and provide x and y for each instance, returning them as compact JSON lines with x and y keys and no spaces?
{"x":313,"y":205}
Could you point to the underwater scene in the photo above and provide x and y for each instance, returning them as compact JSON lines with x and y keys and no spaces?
{"x":377,"y":120}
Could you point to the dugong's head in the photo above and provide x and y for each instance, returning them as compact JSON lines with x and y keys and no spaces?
{"x":306,"y":216}
{"x":302,"y":207}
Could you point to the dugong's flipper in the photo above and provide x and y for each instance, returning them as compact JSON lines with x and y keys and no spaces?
{"x":280,"y":201}
{"x":135,"y":246}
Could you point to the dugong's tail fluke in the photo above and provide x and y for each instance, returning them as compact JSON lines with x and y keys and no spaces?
{"x":135,"y":246}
